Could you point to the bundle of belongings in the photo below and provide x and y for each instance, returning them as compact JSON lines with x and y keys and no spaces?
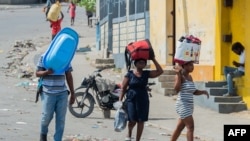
{"x":187,"y":49}
{"x":140,"y":49}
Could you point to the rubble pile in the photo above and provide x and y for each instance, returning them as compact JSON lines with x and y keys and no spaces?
{"x":15,"y":67}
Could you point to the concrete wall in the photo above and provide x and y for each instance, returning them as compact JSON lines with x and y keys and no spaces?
{"x":126,"y":32}
{"x":188,"y":21}
{"x":158,"y":29}
{"x":197,"y":17}
{"x":16,"y":2}
{"x":210,"y":21}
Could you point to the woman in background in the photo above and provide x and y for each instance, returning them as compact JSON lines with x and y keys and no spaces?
{"x":89,"y":15}
{"x":56,"y":25}
{"x":72,"y":12}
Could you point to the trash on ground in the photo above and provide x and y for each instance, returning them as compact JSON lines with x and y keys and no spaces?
{"x":4,"y":109}
{"x":19,"y":122}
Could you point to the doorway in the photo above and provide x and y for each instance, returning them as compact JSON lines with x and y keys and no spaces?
{"x":170,"y":51}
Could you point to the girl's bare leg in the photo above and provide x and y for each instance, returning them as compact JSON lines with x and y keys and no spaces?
{"x":180,"y":126}
{"x":189,"y":122}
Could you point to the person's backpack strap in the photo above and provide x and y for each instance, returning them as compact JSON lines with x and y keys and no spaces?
{"x":151,"y":51}
{"x":127,"y":59}
{"x":52,"y":1}
{"x":39,"y":89}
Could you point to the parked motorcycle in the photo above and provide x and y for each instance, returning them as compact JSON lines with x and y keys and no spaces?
{"x":104,"y":92}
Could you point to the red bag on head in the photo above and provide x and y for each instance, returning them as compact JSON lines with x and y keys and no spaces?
{"x":141,"y":49}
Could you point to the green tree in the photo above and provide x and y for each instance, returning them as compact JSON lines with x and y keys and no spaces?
{"x":90,"y":5}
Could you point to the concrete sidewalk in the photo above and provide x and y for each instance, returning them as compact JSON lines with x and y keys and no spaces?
{"x":208,"y":124}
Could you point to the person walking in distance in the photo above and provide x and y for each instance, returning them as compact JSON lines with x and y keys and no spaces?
{"x":185,"y":88}
{"x":89,"y":15}
{"x":46,"y":8}
{"x":56,"y":26}
{"x":72,"y":12}
{"x":237,"y":71}
{"x":54,"y":97}
{"x":134,"y":85}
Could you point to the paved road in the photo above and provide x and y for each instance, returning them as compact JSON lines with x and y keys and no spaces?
{"x":20,"y":116}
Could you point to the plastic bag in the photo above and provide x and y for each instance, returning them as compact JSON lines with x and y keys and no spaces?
{"x":120,"y":120}
{"x":105,"y":84}
{"x":117,"y":105}
{"x":187,"y":49}
{"x":39,"y":89}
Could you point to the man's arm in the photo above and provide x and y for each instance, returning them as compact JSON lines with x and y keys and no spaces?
{"x":41,"y":73}
{"x":48,"y":3}
{"x":68,"y":9}
{"x":238,"y":64}
{"x":62,"y":15}
{"x":69,"y":79}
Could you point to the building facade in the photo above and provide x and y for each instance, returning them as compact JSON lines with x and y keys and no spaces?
{"x":218,"y":23}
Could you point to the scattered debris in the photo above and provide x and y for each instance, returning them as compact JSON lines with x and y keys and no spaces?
{"x":4,"y":109}
{"x":165,"y":134}
{"x":80,"y":137}
{"x":83,"y":49}
{"x":19,"y":122}
{"x":15,"y":67}
{"x":95,"y":126}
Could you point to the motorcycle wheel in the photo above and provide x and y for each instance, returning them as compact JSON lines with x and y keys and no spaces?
{"x":82,"y":108}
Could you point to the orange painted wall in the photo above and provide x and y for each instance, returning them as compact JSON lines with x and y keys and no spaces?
{"x":203,"y":73}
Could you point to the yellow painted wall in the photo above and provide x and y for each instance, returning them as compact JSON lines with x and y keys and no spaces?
{"x":222,"y":49}
{"x":158,"y":29}
{"x":240,"y":22}
{"x":208,"y":20}
{"x":203,"y":73}
{"x":246,"y":89}
{"x":188,"y":20}
{"x":197,"y":17}
{"x":233,"y":20}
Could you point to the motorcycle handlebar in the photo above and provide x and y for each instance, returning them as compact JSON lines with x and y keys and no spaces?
{"x":151,"y":83}
{"x":99,"y":70}
{"x":99,"y":75}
